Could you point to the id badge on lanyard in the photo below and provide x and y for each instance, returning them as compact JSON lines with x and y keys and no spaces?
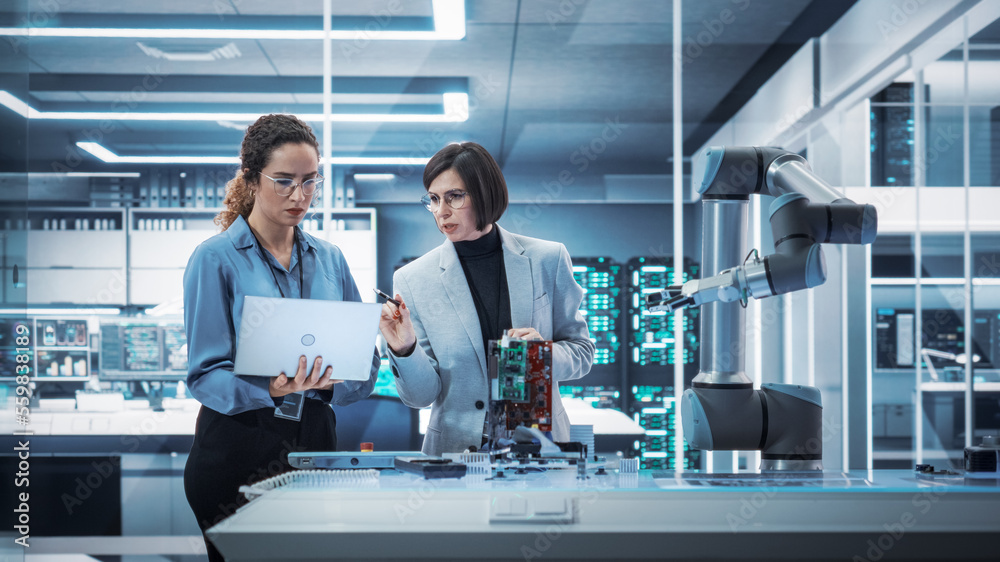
{"x":291,"y":408}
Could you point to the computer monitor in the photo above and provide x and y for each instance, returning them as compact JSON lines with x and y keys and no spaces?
{"x":10,"y":329}
{"x":386,"y":383}
{"x":60,"y":349}
{"x":942,"y":330}
{"x":143,"y":349}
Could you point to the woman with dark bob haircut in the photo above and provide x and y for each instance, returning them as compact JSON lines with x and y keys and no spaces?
{"x":244,"y":433}
{"x":482,"y":282}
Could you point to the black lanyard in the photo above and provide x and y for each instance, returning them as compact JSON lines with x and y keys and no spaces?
{"x":298,"y":251}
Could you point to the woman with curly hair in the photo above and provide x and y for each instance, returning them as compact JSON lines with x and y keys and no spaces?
{"x":242,"y":435}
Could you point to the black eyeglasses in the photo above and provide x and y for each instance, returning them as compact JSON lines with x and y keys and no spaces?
{"x":454,"y":199}
{"x":285,"y":186}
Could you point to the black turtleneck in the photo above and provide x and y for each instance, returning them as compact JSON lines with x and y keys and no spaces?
{"x":482,"y":263}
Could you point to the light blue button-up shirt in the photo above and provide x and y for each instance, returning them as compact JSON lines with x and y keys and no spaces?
{"x":221,"y":272}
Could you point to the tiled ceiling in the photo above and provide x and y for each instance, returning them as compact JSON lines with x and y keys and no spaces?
{"x":545,"y":77}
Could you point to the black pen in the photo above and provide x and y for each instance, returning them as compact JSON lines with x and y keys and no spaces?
{"x":386,"y":297}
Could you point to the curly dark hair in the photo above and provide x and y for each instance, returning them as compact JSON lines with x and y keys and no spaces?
{"x":268,"y":133}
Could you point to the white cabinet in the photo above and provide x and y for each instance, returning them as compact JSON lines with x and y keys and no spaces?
{"x":74,"y":286}
{"x":354,"y":232}
{"x":155,"y":286}
{"x":67,"y":255}
{"x":137,"y":256}
{"x":152,"y":250}
{"x":15,"y":248}
{"x":13,"y":252}
{"x":76,"y":249}
{"x":160,"y":242}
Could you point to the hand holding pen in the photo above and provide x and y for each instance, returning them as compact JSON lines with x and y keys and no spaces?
{"x":396,"y":326}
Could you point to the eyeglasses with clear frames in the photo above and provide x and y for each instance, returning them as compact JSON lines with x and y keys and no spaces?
{"x":454,"y":199}
{"x":285,"y":186}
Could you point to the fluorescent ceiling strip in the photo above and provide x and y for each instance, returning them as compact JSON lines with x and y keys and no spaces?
{"x":374,"y":177}
{"x":103,"y":174}
{"x":109,"y":157}
{"x":456,"y":110}
{"x":449,"y":25}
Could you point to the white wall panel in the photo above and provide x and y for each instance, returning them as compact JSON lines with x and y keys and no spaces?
{"x":942,"y":209}
{"x":869,"y":34}
{"x":784,"y":100}
{"x":358,"y":247}
{"x":160,"y":249}
{"x":96,"y":287}
{"x":70,"y":248}
{"x":155,"y":286}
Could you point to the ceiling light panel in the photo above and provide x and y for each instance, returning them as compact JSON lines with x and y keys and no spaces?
{"x":455,"y":110}
{"x":277,"y":99}
{"x":448,"y":25}
{"x":108,"y":156}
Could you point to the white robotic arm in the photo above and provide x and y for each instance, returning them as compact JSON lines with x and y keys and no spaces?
{"x":799,"y":226}
{"x":722,"y":410}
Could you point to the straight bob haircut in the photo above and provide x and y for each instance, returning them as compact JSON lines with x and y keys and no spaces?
{"x":480,"y":174}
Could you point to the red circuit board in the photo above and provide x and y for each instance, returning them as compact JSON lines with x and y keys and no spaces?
{"x":524,"y":383}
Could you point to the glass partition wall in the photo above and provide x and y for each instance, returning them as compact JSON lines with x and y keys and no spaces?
{"x":133,"y":117}
{"x":935,"y":132}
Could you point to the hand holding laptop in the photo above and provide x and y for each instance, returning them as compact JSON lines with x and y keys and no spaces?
{"x":276,"y":334}
{"x":314,"y":380}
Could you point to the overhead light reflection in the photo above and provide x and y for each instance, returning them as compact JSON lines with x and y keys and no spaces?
{"x":456,"y":109}
{"x":110,"y":157}
{"x":449,"y":25}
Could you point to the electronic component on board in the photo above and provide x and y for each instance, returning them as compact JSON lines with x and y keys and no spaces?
{"x":520,"y":387}
{"x":984,"y":459}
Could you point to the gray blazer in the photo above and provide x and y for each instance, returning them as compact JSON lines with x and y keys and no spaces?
{"x":447,"y":369}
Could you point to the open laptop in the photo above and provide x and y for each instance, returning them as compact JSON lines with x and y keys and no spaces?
{"x":274,"y":332}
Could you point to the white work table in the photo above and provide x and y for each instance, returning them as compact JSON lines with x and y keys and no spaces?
{"x":650,"y":515}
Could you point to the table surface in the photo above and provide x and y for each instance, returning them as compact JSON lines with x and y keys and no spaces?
{"x":620,"y":516}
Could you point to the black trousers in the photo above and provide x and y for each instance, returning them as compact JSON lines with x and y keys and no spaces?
{"x":232,"y":451}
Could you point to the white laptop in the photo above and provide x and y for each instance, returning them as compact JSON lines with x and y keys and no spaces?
{"x":275,"y":332}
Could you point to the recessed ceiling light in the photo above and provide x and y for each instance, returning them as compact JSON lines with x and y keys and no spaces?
{"x":449,"y":25}
{"x":227,"y":51}
{"x":455,"y":105}
{"x":110,"y":157}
